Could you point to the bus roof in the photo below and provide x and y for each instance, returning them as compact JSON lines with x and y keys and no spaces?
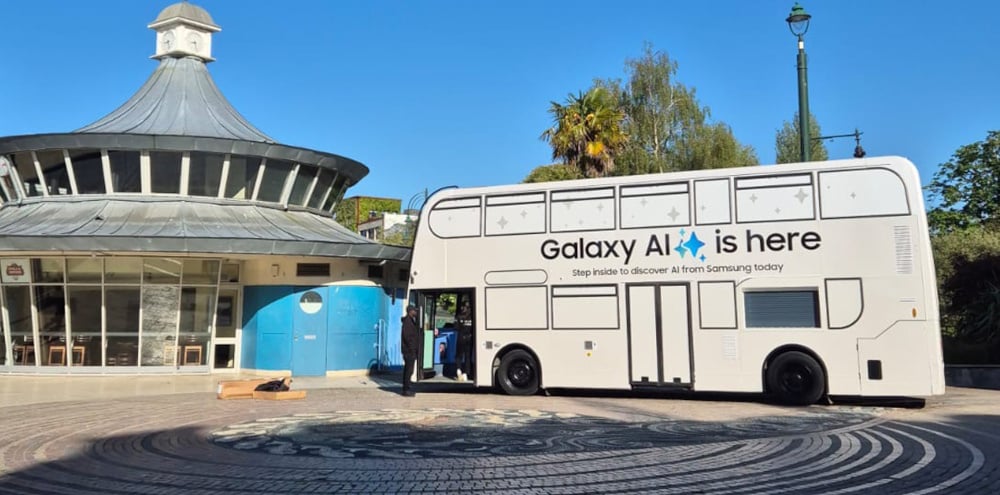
{"x":898,"y":163}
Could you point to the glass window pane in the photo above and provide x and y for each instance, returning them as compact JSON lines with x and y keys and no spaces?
{"x":47,"y":270}
{"x":51,"y":303}
{"x":226,"y":313}
{"x":225,"y":356}
{"x":54,"y":169}
{"x":84,"y":270}
{"x":19,"y":312}
{"x":771,"y":309}
{"x":335,"y":194}
{"x":123,"y":270}
{"x":242,"y":176}
{"x":230,"y":273}
{"x":197,"y":312}
{"x":165,"y":171}
{"x":303,"y":180}
{"x":126,"y":171}
{"x":122,"y":306}
{"x":322,"y":185}
{"x":205,"y":174}
{"x":273,"y":182}
{"x":201,"y":272}
{"x":89,"y":170}
{"x":26,"y":169}
{"x":159,"y":325}
{"x":161,"y":271}
{"x":85,"y":325}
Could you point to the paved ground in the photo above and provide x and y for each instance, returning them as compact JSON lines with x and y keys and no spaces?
{"x":169,"y":435}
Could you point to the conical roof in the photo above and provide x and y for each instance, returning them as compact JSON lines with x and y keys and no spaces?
{"x":185,"y":10}
{"x":180,"y":99}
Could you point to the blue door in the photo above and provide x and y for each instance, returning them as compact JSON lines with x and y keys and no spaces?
{"x":309,"y":332}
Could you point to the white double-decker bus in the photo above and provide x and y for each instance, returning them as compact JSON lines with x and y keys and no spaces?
{"x":799,"y":281}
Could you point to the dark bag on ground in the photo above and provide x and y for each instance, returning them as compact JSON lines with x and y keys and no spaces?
{"x":272,"y":386}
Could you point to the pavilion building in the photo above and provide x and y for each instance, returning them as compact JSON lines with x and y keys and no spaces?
{"x":174,"y":236}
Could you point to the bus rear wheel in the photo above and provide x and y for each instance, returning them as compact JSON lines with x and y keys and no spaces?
{"x":795,"y":378}
{"x":518,"y":373}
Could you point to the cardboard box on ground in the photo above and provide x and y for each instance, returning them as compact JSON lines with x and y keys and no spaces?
{"x":246,"y":389}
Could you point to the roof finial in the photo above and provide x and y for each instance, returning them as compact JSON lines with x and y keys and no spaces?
{"x":184,"y":30}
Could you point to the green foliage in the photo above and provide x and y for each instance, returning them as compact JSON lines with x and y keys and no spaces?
{"x":967,"y":187}
{"x":786,"y":142}
{"x":401,"y":235}
{"x":968,"y":273}
{"x":712,"y":146}
{"x":586,"y":132}
{"x":552,"y":173}
{"x":667,"y":127}
{"x":353,"y":211}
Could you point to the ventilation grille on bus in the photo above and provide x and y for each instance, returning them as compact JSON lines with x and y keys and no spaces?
{"x":904,"y":249}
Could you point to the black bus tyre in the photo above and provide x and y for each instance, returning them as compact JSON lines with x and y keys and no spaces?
{"x":795,"y":378}
{"x":518,"y":373}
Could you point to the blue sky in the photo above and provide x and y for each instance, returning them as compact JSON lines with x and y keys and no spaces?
{"x":452,"y":92}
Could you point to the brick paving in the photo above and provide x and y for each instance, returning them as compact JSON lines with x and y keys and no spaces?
{"x":371,"y":440}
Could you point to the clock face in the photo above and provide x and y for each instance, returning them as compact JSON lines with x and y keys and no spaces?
{"x":194,"y":42}
{"x":168,"y":41}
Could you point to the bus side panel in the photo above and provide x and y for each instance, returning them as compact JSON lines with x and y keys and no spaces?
{"x":717,"y":361}
{"x":563,"y":356}
{"x":836,"y":354}
{"x":886,"y":372}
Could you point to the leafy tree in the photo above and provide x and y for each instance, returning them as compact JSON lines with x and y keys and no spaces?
{"x":357,"y":209}
{"x":666,"y":126}
{"x":786,"y":142}
{"x":968,"y":272}
{"x":967,"y":187}
{"x":401,"y":234}
{"x":552,"y":173}
{"x":712,"y":146}
{"x":586,"y":132}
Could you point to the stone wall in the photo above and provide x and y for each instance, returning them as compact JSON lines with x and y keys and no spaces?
{"x":972,"y":376}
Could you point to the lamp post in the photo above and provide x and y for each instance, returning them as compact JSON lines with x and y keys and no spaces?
{"x":859,"y":152}
{"x":798,"y":23}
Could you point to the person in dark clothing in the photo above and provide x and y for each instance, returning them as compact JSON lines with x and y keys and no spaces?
{"x":463,"y":351}
{"x":410,"y":345}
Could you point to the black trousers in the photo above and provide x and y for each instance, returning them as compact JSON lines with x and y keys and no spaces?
{"x":409,"y":362}
{"x":463,"y":352}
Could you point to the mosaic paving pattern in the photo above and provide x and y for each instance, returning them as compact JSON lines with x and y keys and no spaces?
{"x":452,"y":433}
{"x":193,"y":444}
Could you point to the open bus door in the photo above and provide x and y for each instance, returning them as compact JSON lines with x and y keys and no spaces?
{"x":428,"y":315}
{"x":438,"y":320}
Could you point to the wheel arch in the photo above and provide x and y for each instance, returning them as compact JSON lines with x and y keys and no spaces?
{"x":788,"y":348}
{"x":507,"y":349}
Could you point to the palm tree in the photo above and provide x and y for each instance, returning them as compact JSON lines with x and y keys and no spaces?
{"x":587,"y":132}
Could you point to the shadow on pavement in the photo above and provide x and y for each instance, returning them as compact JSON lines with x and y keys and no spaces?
{"x":464,"y":451}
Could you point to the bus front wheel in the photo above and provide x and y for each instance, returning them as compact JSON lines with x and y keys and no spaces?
{"x":795,"y":378}
{"x":518,"y":373}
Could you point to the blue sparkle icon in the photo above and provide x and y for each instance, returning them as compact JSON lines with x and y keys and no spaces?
{"x":682,"y":232}
{"x":702,"y":257}
{"x":694,"y":244}
{"x":681,"y":249}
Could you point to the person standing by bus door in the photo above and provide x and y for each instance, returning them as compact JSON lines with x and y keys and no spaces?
{"x":410,"y":336}
{"x":463,"y":352}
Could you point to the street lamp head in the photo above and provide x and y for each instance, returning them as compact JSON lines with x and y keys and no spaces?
{"x":798,"y":20}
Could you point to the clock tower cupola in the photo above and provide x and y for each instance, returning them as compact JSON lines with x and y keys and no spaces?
{"x":184,"y":30}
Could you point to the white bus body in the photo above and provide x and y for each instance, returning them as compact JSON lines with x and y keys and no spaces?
{"x":782,"y":279}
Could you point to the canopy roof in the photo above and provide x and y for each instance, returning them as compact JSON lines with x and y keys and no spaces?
{"x":183,"y":226}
